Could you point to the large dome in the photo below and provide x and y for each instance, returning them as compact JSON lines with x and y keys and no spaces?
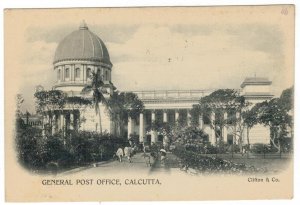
{"x":82,"y":45}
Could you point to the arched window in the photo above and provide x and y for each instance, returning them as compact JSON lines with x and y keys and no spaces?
{"x":88,"y":73}
{"x":77,"y":73}
{"x":67,"y":73}
{"x":58,"y":74}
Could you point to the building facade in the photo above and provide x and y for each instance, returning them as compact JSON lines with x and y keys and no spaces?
{"x":83,"y":52}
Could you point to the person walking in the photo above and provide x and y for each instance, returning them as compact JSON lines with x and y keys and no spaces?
{"x":120,"y":154}
{"x":163,"y":155}
{"x":128,"y":153}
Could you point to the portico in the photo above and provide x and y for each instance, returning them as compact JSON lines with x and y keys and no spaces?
{"x":169,"y":106}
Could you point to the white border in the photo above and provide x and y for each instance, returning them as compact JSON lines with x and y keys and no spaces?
{"x":129,"y":3}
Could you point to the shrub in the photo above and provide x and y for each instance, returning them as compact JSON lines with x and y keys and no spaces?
{"x":29,"y":146}
{"x":91,"y":146}
{"x":259,"y":148}
{"x":51,"y":152}
{"x":197,"y":161}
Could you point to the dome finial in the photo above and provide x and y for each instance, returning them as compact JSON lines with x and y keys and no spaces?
{"x":83,"y":25}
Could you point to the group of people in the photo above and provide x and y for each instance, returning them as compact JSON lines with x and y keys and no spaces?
{"x":128,"y":152}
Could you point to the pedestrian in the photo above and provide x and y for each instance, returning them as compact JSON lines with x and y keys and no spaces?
{"x":128,"y":153}
{"x":243,"y":150}
{"x":120,"y":154}
{"x":163,"y":155}
{"x":144,"y":148}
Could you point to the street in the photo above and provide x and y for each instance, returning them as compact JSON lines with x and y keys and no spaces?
{"x":138,"y":163}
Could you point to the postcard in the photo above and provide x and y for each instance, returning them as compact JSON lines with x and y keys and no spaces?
{"x":149,"y":103}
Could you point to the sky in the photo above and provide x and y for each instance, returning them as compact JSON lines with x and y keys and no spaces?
{"x":158,"y":55}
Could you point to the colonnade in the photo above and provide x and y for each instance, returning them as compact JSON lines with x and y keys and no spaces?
{"x":60,"y":121}
{"x":154,"y":134}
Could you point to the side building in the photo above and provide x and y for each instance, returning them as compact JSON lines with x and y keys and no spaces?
{"x":169,"y":106}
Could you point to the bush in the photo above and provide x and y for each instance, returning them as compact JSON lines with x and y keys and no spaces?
{"x":29,"y":142}
{"x":262,"y":148}
{"x":51,"y":152}
{"x":197,"y":161}
{"x":89,"y":147}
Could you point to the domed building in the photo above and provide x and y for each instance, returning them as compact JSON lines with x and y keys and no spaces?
{"x":82,"y":53}
{"x":77,"y":56}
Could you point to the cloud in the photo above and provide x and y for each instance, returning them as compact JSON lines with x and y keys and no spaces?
{"x":157,"y":57}
{"x":55,"y":33}
{"x":36,"y":69}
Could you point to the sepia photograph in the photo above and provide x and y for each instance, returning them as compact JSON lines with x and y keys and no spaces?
{"x":149,"y":102}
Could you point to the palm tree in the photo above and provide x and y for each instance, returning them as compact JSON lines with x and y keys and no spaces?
{"x":96,"y":87}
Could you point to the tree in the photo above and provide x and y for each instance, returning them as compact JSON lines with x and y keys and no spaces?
{"x":286,"y":99}
{"x":19,"y":100}
{"x":76,"y":103}
{"x":96,"y":87}
{"x":219,"y":102}
{"x":122,"y":105}
{"x":275,"y":115}
{"x":28,"y":141}
{"x":50,"y":102}
{"x":250,"y":119}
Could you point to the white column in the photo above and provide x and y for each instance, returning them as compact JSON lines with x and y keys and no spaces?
{"x":130,"y":126}
{"x":71,"y":121}
{"x":201,"y":121}
{"x":237,"y":130}
{"x":165,"y":117}
{"x":53,"y":123}
{"x":142,"y":127}
{"x":189,"y":118}
{"x":62,"y":123}
{"x":225,"y":128}
{"x":153,"y":132}
{"x":176,"y":115}
{"x":44,"y":122}
{"x":213,"y":133}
